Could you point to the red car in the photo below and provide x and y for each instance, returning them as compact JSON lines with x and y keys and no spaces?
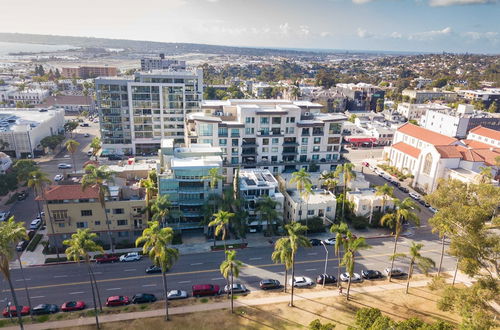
{"x":117,"y":301}
{"x":25,"y":310}
{"x":73,"y":306}
{"x":107,"y":258}
{"x":200,"y":290}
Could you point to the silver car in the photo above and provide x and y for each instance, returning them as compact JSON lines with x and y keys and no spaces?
{"x":237,"y":288}
{"x":344,"y":277}
{"x":177,"y":294}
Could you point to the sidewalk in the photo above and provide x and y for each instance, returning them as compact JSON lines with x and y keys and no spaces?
{"x":241,"y":302}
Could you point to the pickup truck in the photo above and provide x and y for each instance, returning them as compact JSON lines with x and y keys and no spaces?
{"x":107,"y":258}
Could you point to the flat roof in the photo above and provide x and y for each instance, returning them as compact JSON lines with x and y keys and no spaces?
{"x":319,"y":196}
{"x":207,"y":161}
{"x":20,"y":119}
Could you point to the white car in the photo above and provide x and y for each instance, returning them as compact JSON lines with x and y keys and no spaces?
{"x":344,"y":277}
{"x":63,"y":166}
{"x":4,"y":215}
{"x":58,"y":177}
{"x":329,"y":241}
{"x":35,"y":224}
{"x":237,"y":288}
{"x":433,"y":210}
{"x":177,"y":294}
{"x":86,"y":135}
{"x":414,"y":195}
{"x":132,"y":256}
{"x":301,"y":281}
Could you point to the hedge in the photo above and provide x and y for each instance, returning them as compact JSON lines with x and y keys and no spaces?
{"x":34,"y":242}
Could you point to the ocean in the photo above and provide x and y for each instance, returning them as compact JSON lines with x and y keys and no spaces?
{"x":10,"y":47}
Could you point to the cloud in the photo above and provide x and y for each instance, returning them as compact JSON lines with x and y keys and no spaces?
{"x":396,"y":35}
{"x":362,"y":33}
{"x":284,"y":28}
{"x":325,"y":34}
{"x":430,"y":35}
{"x":491,"y":37}
{"x":445,"y":3}
{"x":304,"y":30}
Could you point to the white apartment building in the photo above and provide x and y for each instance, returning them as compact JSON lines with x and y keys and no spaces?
{"x":484,"y":135}
{"x":11,"y":95}
{"x":321,"y":203}
{"x":23,"y":129}
{"x":161,"y":63}
{"x":136,"y":113}
{"x":279,"y":135}
{"x":259,"y":87}
{"x":254,"y":185}
{"x":416,"y":111}
{"x":366,"y":202}
{"x":420,"y":96}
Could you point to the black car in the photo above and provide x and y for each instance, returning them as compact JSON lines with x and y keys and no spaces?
{"x":329,"y":279}
{"x":45,"y":309}
{"x":403,"y":189}
{"x":421,"y":201}
{"x":115,"y":157}
{"x":371,"y":274}
{"x":21,"y":246}
{"x":22,"y":195}
{"x":143,"y":298}
{"x":153,"y":269}
{"x":315,"y":242}
{"x":269,"y":284}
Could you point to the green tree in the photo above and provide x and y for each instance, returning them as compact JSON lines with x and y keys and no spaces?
{"x":352,"y":118}
{"x":348,"y":174}
{"x":81,"y":243}
{"x":52,"y":141}
{"x":365,"y":317}
{"x":424,"y":264}
{"x":316,"y":325}
{"x":100,"y":177}
{"x":149,"y":187}
{"x":70,"y":126}
{"x":221,"y":223}
{"x":72,"y":147}
{"x":155,"y":242}
{"x":23,"y":168}
{"x":385,"y":191}
{"x":301,"y":179}
{"x":160,"y":208}
{"x":95,"y":145}
{"x":380,"y":105}
{"x":485,"y":174}
{"x":305,"y":195}
{"x":230,"y":268}
{"x":403,"y":211}
{"x":352,"y":246}
{"x":340,"y":230}
{"x":282,"y":254}
{"x":266,"y":207}
{"x":213,"y":178}
{"x":10,"y":233}
{"x":493,"y":107}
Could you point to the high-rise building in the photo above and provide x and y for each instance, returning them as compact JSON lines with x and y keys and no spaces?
{"x":89,"y":71}
{"x":136,"y":113}
{"x":161,"y":63}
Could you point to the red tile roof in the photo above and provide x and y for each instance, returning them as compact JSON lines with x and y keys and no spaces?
{"x":476,"y":144}
{"x":407,"y":149}
{"x":468,"y":154}
{"x":487,"y":132}
{"x":449,"y":151}
{"x":426,"y":135}
{"x":72,"y":191}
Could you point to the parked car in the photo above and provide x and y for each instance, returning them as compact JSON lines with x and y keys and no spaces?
{"x":403,"y":189}
{"x":86,"y":135}
{"x":153,"y":269}
{"x":35,"y":224}
{"x":73,"y":306}
{"x":117,"y":301}
{"x":396,"y":272}
{"x":131,"y":256}
{"x":329,"y":241}
{"x":63,"y":166}
{"x":22,"y":195}
{"x":106,"y":258}
{"x":371,"y":274}
{"x":200,"y":290}
{"x":21,"y":246}
{"x":115,"y":157}
{"x":414,"y":195}
{"x":301,"y":281}
{"x":344,"y":277}
{"x":12,"y":311}
{"x":45,"y":309}
{"x":329,"y":279}
{"x":143,"y":298}
{"x":433,"y":210}
{"x":237,"y":288}
{"x":177,"y":294}
{"x":315,"y":241}
{"x":4,"y":215}
{"x":366,"y":164}
{"x":269,"y":284}
{"x":58,"y":177}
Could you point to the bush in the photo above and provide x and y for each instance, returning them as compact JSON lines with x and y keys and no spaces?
{"x":314,"y":225}
{"x":34,"y":242}
{"x":365,"y":317}
{"x":316,"y":325}
{"x":177,"y":238}
{"x":8,"y":182}
{"x":360,"y":222}
{"x":52,"y":260}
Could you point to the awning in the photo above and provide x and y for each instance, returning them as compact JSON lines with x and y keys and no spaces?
{"x":360,"y":139}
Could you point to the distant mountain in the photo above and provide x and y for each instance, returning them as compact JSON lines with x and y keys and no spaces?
{"x":169,"y":48}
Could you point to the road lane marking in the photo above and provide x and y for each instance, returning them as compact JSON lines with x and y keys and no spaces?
{"x":27,"y":279}
{"x":129,"y":270}
{"x":256,"y":258}
{"x":57,"y":276}
{"x":311,"y":269}
{"x":184,"y":282}
{"x":217,"y":279}
{"x":312,"y":253}
{"x":36,"y":297}
{"x":192,"y":272}
{"x":77,"y":292}
{"x":113,"y":289}
{"x":197,"y":264}
{"x":146,"y":285}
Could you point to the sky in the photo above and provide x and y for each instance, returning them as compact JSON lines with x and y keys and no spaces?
{"x":391,"y":25}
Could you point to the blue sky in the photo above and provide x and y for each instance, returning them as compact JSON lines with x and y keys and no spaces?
{"x":398,"y":25}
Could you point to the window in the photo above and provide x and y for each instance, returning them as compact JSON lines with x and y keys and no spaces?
{"x":123,"y":234}
{"x":276,"y":120}
{"x":82,"y":224}
{"x":315,"y":157}
{"x":303,"y":150}
{"x":265,"y":142}
{"x":274,"y":149}
{"x":304,"y":140}
{"x":316,"y":149}
{"x":97,"y":223}
{"x":249,"y":130}
{"x":333,"y":140}
{"x":328,"y":209}
{"x":235,"y":132}
{"x":250,"y":120}
{"x":86,"y":213}
{"x":289,"y":130}
{"x":310,"y":212}
{"x":121,"y":222}
{"x":274,"y":158}
{"x":329,"y":148}
{"x":61,"y":225}
{"x":60,"y":215}
{"x":427,"y":164}
{"x":265,"y":149}
{"x":317,"y":140}
{"x":305,"y":132}
{"x":275,"y":141}
{"x":223,"y":142}
{"x":234,"y":151}
{"x":264,"y":120}
{"x":234,"y":160}
{"x":205,"y":129}
{"x":118,"y":211}
{"x":290,"y":120}
{"x":234,"y":142}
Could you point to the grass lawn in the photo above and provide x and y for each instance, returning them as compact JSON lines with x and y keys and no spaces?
{"x":420,"y":302}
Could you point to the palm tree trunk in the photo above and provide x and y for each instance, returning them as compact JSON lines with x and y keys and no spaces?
{"x":109,"y":229}
{"x":393,"y":254}
{"x":286,"y":277}
{"x":348,"y":286}
{"x":24,"y":280}
{"x":73,"y":159}
{"x":293,"y":279}
{"x":14,"y":297}
{"x":410,"y":271}
{"x":93,"y":297}
{"x":455,"y":274}
{"x":164,"y":277}
{"x":232,"y":294}
{"x":96,"y":289}
{"x":343,"y":199}
{"x":338,"y":269}
{"x":442,"y":255}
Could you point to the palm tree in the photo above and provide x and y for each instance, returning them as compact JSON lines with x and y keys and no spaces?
{"x":352,"y":246}
{"x":81,"y":243}
{"x":99,"y":177}
{"x":485,"y":174}
{"x":282,"y":254}
{"x":340,"y":232}
{"x":150,"y":188}
{"x":37,"y":180}
{"x":10,"y":233}
{"x":221,"y":222}
{"x":346,"y":170}
{"x":385,"y":191}
{"x":301,"y":179}
{"x":325,"y":176}
{"x":213,"y":178}
{"x":330,"y":184}
{"x":72,"y":147}
{"x":403,"y":212}
{"x":156,"y":241}
{"x":416,"y":260}
{"x":160,"y":208}
{"x":230,"y":268}
{"x":266,"y":207}
{"x":95,"y":145}
{"x":296,"y":240}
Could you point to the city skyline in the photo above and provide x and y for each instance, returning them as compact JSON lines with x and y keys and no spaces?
{"x":406,"y":25}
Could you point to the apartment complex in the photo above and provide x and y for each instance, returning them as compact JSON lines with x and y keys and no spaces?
{"x":416,"y":111}
{"x":320,"y":204}
{"x":361,"y":96}
{"x":278,"y":135}
{"x":136,"y":113}
{"x":161,"y":63}
{"x":183,"y":177}
{"x":421,"y":96}
{"x":85,"y":72}
{"x":11,"y":95}
{"x":487,"y":95}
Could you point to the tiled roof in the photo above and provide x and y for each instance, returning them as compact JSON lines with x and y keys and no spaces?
{"x":476,"y":144}
{"x":72,"y":191}
{"x":487,"y":132}
{"x":449,"y":151}
{"x":426,"y":135}
{"x":487,"y":156}
{"x":407,"y":149}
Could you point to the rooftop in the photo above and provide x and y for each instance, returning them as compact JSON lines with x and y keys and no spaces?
{"x":486,"y":132}
{"x":407,"y":149}
{"x":24,"y":119}
{"x":318,"y":196}
{"x":426,"y":135}
{"x":255,"y":178}
{"x":70,"y":192}
{"x":66,"y":99}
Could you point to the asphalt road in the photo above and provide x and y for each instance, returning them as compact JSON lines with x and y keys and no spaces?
{"x":60,"y":283}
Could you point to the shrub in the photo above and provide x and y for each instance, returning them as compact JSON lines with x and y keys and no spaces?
{"x":204,"y":300}
{"x":34,"y":242}
{"x":365,"y":317}
{"x":52,"y":260}
{"x":314,"y":225}
{"x":316,"y":325}
{"x":360,"y":222}
{"x":177,"y":239}
{"x":436,"y":283}
{"x":42,"y":318}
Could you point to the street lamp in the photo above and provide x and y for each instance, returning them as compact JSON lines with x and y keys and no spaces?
{"x":326,"y":262}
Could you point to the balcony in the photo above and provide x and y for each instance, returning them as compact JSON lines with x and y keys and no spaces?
{"x":198,"y":201}
{"x":290,"y":144}
{"x":188,"y":190}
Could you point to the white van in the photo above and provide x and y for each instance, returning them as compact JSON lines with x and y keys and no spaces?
{"x":90,"y":152}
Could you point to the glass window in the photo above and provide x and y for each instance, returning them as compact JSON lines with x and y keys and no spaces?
{"x":250,"y":120}
{"x":275,"y":141}
{"x":276,"y":120}
{"x":315,"y":157}
{"x":265,"y":142}
{"x":265,"y":149}
{"x":122,"y":222}
{"x":264,"y":120}
{"x":304,"y":140}
{"x":316,"y":149}
{"x":82,"y":224}
{"x":97,"y":223}
{"x":274,"y":149}
{"x":317,"y":140}
{"x":222,"y":142}
{"x":249,"y":130}
{"x":118,"y":211}
{"x":205,"y":129}
{"x":86,"y":213}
